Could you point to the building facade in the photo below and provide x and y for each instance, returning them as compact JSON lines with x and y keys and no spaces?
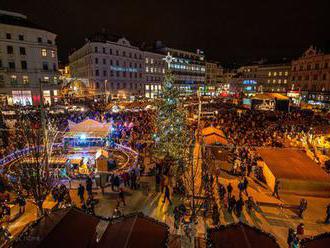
{"x":28,"y":61}
{"x":265,"y":77}
{"x":273,"y":77}
{"x":114,"y":67}
{"x":155,"y":67}
{"x":214,"y":79}
{"x":310,"y":75}
{"x":187,"y":67}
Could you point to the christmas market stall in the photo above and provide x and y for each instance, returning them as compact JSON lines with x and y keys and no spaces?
{"x":87,"y":133}
{"x":239,"y":235}
{"x":319,"y":241}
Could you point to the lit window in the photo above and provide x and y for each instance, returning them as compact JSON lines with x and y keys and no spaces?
{"x":279,"y":81}
{"x":286,"y":73}
{"x":163,"y":70}
{"x":151,"y":61}
{"x":13,"y":78}
{"x":280,"y":73}
{"x":147,"y":60}
{"x":268,"y":81}
{"x":43,"y":52}
{"x":147,"y":69}
{"x":147,"y":86}
{"x":25,"y":79}
{"x":52,"y":54}
{"x":269,"y":74}
{"x":46,"y":79}
{"x":275,"y":73}
{"x":285,"y":81}
{"x":151,"y":69}
{"x":274,"y":81}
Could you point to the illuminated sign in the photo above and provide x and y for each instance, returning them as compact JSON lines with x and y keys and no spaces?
{"x":128,"y":69}
{"x":249,"y":82}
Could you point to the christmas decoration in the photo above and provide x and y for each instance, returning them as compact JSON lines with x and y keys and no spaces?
{"x":172,"y":136}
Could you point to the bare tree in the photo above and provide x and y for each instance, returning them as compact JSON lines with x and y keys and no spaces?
{"x":31,"y":172}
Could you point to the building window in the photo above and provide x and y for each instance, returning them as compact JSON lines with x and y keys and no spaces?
{"x":117,"y":73}
{"x":46,"y":79}
{"x":11,"y":65}
{"x":124,"y":54}
{"x":110,"y":61}
{"x":104,"y":51}
{"x":130,"y":55}
{"x":285,"y":73}
{"x":8,"y":36}
{"x":10,"y":50}
{"x":317,"y":66}
{"x":43,"y":52}
{"x":45,"y":66}
{"x":22,"y":51}
{"x":49,"y":42}
{"x":307,"y":77}
{"x":117,"y":63}
{"x":275,"y":73}
{"x":324,"y":77}
{"x":315,"y":77}
{"x":96,"y":60}
{"x":97,"y":73}
{"x":326,"y":65}
{"x":147,"y":69}
{"x":96,"y":49}
{"x":124,"y":73}
{"x":13,"y":79}
{"x":117,"y":52}
{"x":147,"y":60}
{"x":104,"y":61}
{"x":54,"y":67}
{"x":52,"y":53}
{"x":269,"y":74}
{"x":285,"y":81}
{"x":279,"y":81}
{"x":21,"y":37}
{"x":104,"y":73}
{"x":25,"y":79}
{"x":280,"y":73}
{"x":39,"y":40}
{"x":110,"y":51}
{"x":24,"y":65}
{"x":274,"y":81}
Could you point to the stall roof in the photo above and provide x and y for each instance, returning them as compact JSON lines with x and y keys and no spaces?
{"x":135,"y":230}
{"x":239,"y":235}
{"x":212,"y":135}
{"x":268,"y":96}
{"x":88,"y":129}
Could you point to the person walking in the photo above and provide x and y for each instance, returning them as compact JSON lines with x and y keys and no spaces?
{"x":121,"y":197}
{"x":89,"y":186}
{"x":245,"y":184}
{"x":229,"y":190}
{"x":327,"y":218}
{"x":167,"y":194}
{"x":239,"y":207}
{"x":276,"y":188}
{"x":302,"y":207}
{"x":21,"y":202}
{"x":81,"y":192}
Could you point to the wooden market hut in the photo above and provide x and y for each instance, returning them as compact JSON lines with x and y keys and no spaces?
{"x":212,"y":135}
{"x":239,"y":235}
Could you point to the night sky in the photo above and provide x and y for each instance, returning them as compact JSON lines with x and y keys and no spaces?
{"x":228,"y":31}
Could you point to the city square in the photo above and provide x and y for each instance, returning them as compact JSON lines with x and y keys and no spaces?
{"x":109,"y":141}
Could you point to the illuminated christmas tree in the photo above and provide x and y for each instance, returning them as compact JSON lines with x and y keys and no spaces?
{"x":172,"y":136}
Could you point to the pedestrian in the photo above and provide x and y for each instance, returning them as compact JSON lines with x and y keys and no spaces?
{"x":231,"y":204}
{"x":246,"y":184}
{"x":89,"y":186}
{"x":167,"y":194}
{"x":21,"y":202}
{"x":302,"y":207}
{"x":300,"y":229}
{"x":81,"y":192}
{"x":229,"y":190}
{"x":327,"y":218}
{"x":291,"y":237}
{"x":239,"y":207}
{"x":240,"y":187}
{"x":121,"y":197}
{"x":215,"y":215}
{"x":276,"y":188}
